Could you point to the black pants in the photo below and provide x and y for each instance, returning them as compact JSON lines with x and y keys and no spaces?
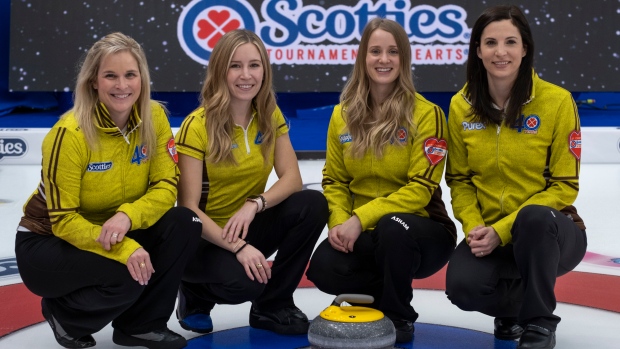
{"x":86,"y":291}
{"x":518,"y":280}
{"x":214,"y":275}
{"x":384,"y":262}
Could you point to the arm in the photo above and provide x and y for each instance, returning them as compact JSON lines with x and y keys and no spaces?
{"x":459,"y":175}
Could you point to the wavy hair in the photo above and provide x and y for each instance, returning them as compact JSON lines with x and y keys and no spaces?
{"x":477,"y":89}
{"x":394,"y":112}
{"x":215,"y":98}
{"x":85,"y":97}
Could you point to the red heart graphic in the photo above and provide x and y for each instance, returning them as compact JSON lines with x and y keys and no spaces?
{"x":435,"y":150}
{"x":574,"y":143}
{"x":218,"y":17}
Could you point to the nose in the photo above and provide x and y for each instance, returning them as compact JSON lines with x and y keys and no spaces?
{"x":245,"y":72}
{"x":122,"y":82}
{"x":501,"y":50}
{"x":384,"y":58}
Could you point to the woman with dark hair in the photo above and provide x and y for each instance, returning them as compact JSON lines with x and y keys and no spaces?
{"x":100,"y":240}
{"x":513,"y":171}
{"x":228,"y":147}
{"x":385,"y":158}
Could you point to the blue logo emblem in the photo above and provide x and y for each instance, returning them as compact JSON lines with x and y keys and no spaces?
{"x":531,"y":124}
{"x":259,"y":138}
{"x":346,"y":138}
{"x":203,"y":22}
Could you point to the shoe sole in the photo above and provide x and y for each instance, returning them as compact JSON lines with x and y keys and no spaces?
{"x":123,"y":339}
{"x":47,"y":315}
{"x":403,"y":337}
{"x":278,"y":328}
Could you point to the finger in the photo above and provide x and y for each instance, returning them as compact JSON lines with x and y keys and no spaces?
{"x":350,"y":244}
{"x":263,"y":270}
{"x":248,"y":272}
{"x":246,"y":228}
{"x":132,"y":271}
{"x":225,"y":230}
{"x":231,"y":231}
{"x":114,"y":238}
{"x":256,"y":270}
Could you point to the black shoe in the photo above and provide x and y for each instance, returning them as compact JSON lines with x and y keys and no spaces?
{"x":283,"y":321}
{"x":161,"y":339}
{"x":404,"y":330}
{"x":61,"y":336}
{"x":193,"y":319}
{"x":507,"y":329}
{"x":536,"y":337}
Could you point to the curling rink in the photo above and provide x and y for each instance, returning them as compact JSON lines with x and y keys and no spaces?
{"x":589,"y":297}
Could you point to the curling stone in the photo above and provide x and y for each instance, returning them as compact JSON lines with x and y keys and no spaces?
{"x":355,"y":327}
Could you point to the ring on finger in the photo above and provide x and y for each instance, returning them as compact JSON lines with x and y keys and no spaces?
{"x":115,"y":235}
{"x":142,"y":265}
{"x":481,"y":254}
{"x":258,"y":265}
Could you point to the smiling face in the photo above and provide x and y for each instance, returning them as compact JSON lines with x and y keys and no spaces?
{"x":118,"y":85}
{"x":382,"y":59}
{"x":245,"y":73}
{"x":501,"y":50}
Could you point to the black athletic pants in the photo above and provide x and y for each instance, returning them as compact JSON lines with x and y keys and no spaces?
{"x":518,"y":280}
{"x":384,"y":262}
{"x":85,"y":291}
{"x":292,"y":228}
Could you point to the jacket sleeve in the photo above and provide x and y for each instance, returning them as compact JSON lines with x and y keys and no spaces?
{"x":65,"y":154}
{"x":564,"y":166}
{"x":426,"y":166}
{"x":459,"y":175}
{"x":163,"y":178}
{"x":336,"y":178}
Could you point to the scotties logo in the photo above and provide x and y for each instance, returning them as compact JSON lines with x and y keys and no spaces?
{"x":99,"y":166}
{"x":204,"y":22}
{"x":13,"y":147}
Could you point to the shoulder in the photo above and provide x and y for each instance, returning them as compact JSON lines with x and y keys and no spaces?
{"x":424,"y":104}
{"x":545,"y":89}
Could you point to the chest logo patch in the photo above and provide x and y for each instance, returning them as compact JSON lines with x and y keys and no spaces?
{"x":259,"y":138}
{"x":531,"y":124}
{"x":139,"y":154}
{"x":401,"y":135}
{"x":172,"y":150}
{"x":435,"y":149}
{"x":99,"y":166}
{"x":345,"y":138}
{"x":574,"y":143}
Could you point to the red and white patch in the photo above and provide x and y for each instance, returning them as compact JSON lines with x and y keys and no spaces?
{"x":435,"y":150}
{"x":172,"y":150}
{"x":574,"y":143}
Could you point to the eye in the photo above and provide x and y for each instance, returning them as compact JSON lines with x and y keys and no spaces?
{"x":511,"y":42}
{"x":490,"y":43}
{"x":109,"y":76}
{"x":394,"y":52}
{"x":235,"y":66}
{"x":131,"y":75}
{"x":256,"y":65}
{"x":374,"y":51}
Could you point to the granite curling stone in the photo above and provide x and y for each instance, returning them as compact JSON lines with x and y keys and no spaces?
{"x":354,"y":327}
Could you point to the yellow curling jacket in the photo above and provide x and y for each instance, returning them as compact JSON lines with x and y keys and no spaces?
{"x":493,"y":171}
{"x":81,"y":188}
{"x":405,"y":180}
{"x":226,"y":186}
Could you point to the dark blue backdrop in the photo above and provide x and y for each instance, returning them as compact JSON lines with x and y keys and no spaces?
{"x":308,"y":113}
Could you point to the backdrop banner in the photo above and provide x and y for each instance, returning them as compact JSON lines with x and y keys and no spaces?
{"x":312,"y":44}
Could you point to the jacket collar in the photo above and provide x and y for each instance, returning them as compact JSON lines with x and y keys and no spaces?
{"x":104,"y":122}
{"x":535,"y":80}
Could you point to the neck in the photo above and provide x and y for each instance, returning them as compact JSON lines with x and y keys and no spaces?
{"x":378,"y":94}
{"x":120,"y":120}
{"x":500,"y":92}
{"x":241,"y":113}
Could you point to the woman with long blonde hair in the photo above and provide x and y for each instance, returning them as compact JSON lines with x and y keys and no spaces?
{"x":228,"y":147}
{"x":385,"y":158}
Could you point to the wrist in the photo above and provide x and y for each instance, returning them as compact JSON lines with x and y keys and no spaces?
{"x":260,"y":202}
{"x":237,"y":247}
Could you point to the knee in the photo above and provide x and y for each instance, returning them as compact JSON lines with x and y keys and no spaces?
{"x":243,"y":290}
{"x":392,"y":230}
{"x":312,"y":205}
{"x":532,"y":220}
{"x":460,"y":291}
{"x":184,"y":223}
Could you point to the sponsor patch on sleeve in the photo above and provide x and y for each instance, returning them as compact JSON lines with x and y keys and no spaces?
{"x":172,"y":150}
{"x":435,"y":149}
{"x":574,"y":143}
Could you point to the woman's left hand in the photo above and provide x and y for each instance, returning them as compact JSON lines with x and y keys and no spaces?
{"x":483,"y":240}
{"x":113,"y":230}
{"x":238,"y":225}
{"x":349,"y":232}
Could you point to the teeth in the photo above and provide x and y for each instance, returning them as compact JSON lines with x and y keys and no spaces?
{"x":384,"y":69}
{"x":122,"y":96}
{"x":501,"y":63}
{"x":245,"y":86}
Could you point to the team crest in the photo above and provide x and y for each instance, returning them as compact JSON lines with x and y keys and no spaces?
{"x":574,"y":143}
{"x":259,"y":138}
{"x":435,"y":149}
{"x":172,"y":150}
{"x":139,"y":154}
{"x":531,"y":124}
{"x":401,"y":135}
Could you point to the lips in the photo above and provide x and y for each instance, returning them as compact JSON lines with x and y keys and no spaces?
{"x":123,"y":96}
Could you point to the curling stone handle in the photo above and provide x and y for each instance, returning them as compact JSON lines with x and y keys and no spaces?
{"x":353,"y":298}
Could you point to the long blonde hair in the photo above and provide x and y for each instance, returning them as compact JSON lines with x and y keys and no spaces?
{"x":215,"y":98}
{"x":396,"y":111}
{"x":85,"y":97}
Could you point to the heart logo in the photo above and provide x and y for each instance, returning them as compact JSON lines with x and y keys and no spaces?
{"x":217,"y":24}
{"x":435,"y":150}
{"x":574,"y":143}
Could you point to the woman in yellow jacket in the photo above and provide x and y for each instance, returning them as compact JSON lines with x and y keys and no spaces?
{"x":385,"y":158}
{"x":513,"y":171}
{"x":100,"y":240}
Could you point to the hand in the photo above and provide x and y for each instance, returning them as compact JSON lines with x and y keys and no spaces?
{"x":254,"y":264}
{"x":483,"y":240}
{"x":114,"y":230}
{"x":140,"y":267}
{"x":238,"y":225}
{"x":342,"y":237}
